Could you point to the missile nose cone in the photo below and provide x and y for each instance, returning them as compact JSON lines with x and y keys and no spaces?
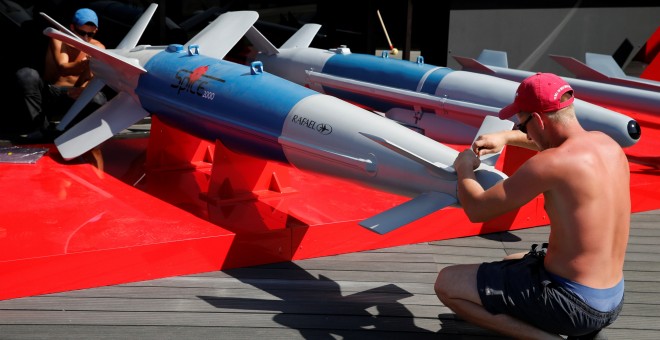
{"x":634,"y":130}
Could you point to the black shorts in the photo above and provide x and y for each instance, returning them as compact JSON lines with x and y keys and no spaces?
{"x":523,"y":289}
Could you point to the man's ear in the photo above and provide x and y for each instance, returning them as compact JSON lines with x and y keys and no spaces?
{"x":539,"y":120}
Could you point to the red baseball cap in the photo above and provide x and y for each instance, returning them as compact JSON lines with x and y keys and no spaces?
{"x":539,"y":93}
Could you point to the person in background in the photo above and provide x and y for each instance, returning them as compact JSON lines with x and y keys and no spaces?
{"x":573,"y":285}
{"x":66,"y":72}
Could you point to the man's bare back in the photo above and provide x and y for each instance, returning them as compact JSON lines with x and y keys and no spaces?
{"x":589,"y":214}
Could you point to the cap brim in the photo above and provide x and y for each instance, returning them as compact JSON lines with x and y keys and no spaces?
{"x":508,"y":111}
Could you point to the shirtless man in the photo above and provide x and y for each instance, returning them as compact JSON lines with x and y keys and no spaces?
{"x":66,"y":72}
{"x":574,"y":288}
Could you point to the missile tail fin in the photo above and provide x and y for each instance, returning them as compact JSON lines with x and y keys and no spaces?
{"x":603,"y":68}
{"x":59,"y":26}
{"x":95,"y":85}
{"x":303,"y":37}
{"x":470,"y":64}
{"x":131,"y":39}
{"x":125,"y":66}
{"x":579,"y":69}
{"x":604,"y":64}
{"x":120,"y":112}
{"x":408,"y":212}
{"x":221,"y":35}
{"x":261,"y":43}
{"x":494,"y":58}
{"x":101,"y":125}
{"x":445,"y":172}
{"x":125,"y":69}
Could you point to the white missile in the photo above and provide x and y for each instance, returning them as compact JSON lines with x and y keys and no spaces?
{"x":442,"y":103}
{"x":253,"y":112}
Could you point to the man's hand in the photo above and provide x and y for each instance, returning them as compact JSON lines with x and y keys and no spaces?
{"x":81,"y":66}
{"x":466,"y":161}
{"x":490,"y":143}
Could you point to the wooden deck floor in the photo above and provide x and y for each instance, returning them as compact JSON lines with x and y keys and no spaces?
{"x":380,"y":294}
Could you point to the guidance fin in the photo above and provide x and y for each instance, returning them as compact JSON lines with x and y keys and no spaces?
{"x":605,"y":64}
{"x":473,"y":65}
{"x":121,"y":64}
{"x":59,"y":26}
{"x":113,"y":117}
{"x":95,"y":85}
{"x":446,"y":172}
{"x":603,"y":68}
{"x":261,"y":43}
{"x":579,"y":69}
{"x":131,"y":39}
{"x":221,"y":35}
{"x":303,"y":37}
{"x":408,"y":212}
{"x":493,"y":58}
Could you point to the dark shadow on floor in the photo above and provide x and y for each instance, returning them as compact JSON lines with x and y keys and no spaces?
{"x":318,"y":308}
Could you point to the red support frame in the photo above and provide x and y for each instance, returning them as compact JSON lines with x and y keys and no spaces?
{"x":174,"y":204}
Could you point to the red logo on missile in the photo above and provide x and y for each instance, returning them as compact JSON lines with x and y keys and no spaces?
{"x":197,"y":73}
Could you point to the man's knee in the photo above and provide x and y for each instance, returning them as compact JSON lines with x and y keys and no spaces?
{"x":444,"y":282}
{"x":28,"y":79}
{"x":458,"y":282}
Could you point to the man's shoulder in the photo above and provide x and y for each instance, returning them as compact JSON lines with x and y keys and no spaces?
{"x":558,"y":159}
{"x":589,"y":150}
{"x":97,"y":43}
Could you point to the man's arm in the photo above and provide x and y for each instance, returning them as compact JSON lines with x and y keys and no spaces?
{"x":481,"y":205}
{"x":494,"y":142}
{"x":66,"y":67}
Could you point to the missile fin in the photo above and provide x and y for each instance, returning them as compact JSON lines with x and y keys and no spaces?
{"x":59,"y":26}
{"x":303,"y":37}
{"x":446,"y":172}
{"x":408,"y":212}
{"x":220,"y":36}
{"x":473,"y":65}
{"x":579,"y":69}
{"x":608,"y":66}
{"x":604,"y":64}
{"x":113,"y":117}
{"x":126,"y":66}
{"x":490,"y":125}
{"x":95,"y":85}
{"x":493,"y":58}
{"x":262,"y":44}
{"x":131,"y":39}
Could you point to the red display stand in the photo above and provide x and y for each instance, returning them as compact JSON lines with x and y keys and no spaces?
{"x":70,"y":226}
{"x":172,"y":204}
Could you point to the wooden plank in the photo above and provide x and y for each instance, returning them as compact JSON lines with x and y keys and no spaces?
{"x":75,"y":332}
{"x":353,"y":304}
{"x":379,"y":294}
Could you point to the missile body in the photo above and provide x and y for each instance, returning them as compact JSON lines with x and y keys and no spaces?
{"x":271,"y":118}
{"x":611,"y":95}
{"x":256,"y":113}
{"x":445,"y":104}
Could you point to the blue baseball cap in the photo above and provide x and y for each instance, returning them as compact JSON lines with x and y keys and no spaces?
{"x":85,"y":16}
